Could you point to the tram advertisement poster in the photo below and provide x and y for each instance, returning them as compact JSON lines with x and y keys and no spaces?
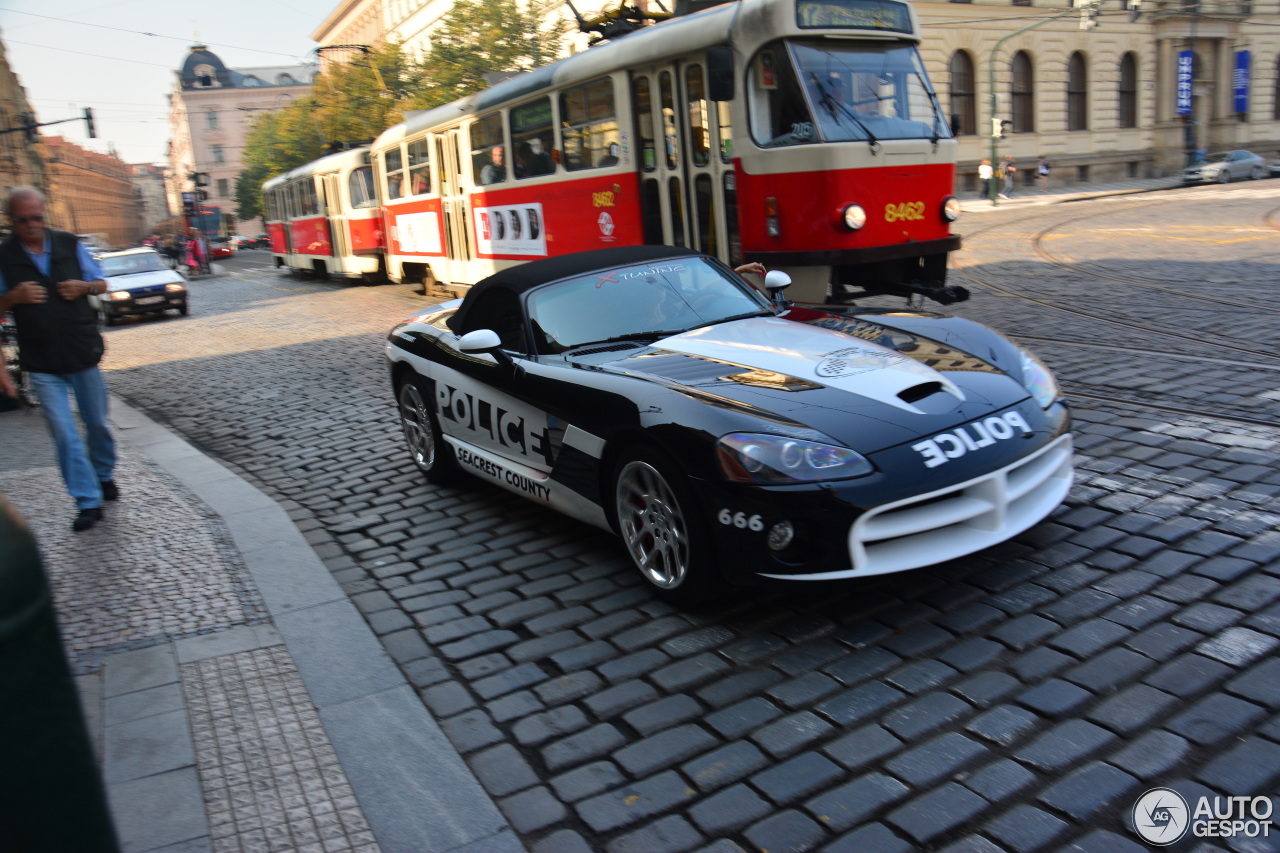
{"x":511,"y":230}
{"x":418,"y":233}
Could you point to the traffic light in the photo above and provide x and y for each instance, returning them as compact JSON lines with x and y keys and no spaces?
{"x":1088,"y":18}
{"x":201,"y":178}
{"x":1000,"y":128}
{"x":188,"y":204}
{"x":88,"y":122}
{"x":30,"y":128}
{"x":201,"y":195}
{"x":1135,"y":10}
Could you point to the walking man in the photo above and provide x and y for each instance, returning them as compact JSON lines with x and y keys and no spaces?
{"x":46,"y":277}
{"x":1009,"y":171}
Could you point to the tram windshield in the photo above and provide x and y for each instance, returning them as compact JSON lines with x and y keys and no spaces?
{"x":811,"y":92}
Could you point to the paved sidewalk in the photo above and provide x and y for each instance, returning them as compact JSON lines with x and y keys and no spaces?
{"x":1031,"y":196}
{"x":237,"y":698}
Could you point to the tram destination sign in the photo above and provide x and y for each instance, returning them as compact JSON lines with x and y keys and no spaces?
{"x":853,"y":14}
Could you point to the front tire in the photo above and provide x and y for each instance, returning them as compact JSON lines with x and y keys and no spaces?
{"x":656,"y":516}
{"x":431,"y":454}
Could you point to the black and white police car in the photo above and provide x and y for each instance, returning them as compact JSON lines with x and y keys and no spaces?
{"x":726,"y":436}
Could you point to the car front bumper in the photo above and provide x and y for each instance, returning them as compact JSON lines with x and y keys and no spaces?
{"x":860,"y":528}
{"x":140,"y":305}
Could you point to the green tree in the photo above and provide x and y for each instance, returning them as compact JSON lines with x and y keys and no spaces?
{"x":478,"y":37}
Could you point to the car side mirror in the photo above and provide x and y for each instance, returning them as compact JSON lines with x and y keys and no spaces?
{"x":776,"y":281}
{"x":486,"y":341}
{"x":481,"y":340}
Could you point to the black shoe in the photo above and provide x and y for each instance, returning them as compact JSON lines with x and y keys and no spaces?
{"x":86,"y":518}
{"x":109,"y":491}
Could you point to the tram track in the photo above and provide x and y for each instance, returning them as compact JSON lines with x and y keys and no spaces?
{"x":1102,"y":344}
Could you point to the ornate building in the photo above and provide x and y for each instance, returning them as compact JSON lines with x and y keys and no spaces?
{"x":1101,"y":103}
{"x":211,"y":109}
{"x":91,"y":193}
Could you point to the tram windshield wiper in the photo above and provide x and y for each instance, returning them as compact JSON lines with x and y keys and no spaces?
{"x":837,"y":109}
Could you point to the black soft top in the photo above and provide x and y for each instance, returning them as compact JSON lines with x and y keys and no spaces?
{"x":524,"y":277}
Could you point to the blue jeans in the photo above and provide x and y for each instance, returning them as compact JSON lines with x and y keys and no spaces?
{"x":82,"y":469}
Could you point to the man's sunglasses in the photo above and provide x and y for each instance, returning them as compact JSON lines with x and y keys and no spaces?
{"x":23,"y":220}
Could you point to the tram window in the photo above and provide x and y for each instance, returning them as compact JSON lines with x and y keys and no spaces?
{"x":704,"y":209}
{"x":360,"y":188}
{"x":724,"y":128}
{"x":589,"y":126}
{"x":531,"y":139}
{"x":307,"y":196}
{"x":419,"y":167}
{"x":671,"y":142}
{"x":676,"y":199}
{"x":488,"y":160}
{"x":644,"y":123}
{"x":733,"y":235}
{"x":393,"y":165}
{"x":780,"y":115}
{"x":699,"y":120}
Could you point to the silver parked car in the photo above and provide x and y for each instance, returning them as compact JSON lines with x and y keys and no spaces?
{"x":138,"y":282}
{"x":1226,"y":167}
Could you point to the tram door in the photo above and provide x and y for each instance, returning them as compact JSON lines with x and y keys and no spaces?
{"x":458,"y":245}
{"x":682,"y":172}
{"x":339,"y":244}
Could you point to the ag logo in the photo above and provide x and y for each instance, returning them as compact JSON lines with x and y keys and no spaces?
{"x":605,"y":222}
{"x":852,"y":361}
{"x":1161,"y":816}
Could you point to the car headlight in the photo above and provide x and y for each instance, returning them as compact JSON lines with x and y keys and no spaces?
{"x":1038,"y":380}
{"x":757,"y":458}
{"x":853,"y":217}
{"x":119,"y":295}
{"x":951,"y":209}
{"x":175,"y":288}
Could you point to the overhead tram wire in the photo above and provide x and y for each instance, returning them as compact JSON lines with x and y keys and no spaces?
{"x":139,"y":33}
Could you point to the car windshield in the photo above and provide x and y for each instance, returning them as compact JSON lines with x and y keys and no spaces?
{"x":127,"y":264}
{"x":637,"y":302}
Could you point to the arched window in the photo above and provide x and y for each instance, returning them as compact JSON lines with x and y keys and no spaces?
{"x":1129,"y":90}
{"x":1275,"y":103}
{"x":285,"y":80}
{"x":963,"y":98}
{"x":1077,"y":93}
{"x":1023,"y":93}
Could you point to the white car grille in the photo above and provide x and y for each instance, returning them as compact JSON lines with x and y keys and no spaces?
{"x":943,"y":525}
{"x":932,"y":528}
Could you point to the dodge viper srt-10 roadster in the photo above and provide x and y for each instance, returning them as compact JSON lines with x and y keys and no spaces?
{"x":726,"y":435}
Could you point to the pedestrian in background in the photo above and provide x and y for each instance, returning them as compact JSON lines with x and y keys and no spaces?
{"x":984,"y":178}
{"x":46,"y":277}
{"x":1042,"y":174}
{"x":1009,"y":171}
{"x":197,"y":252}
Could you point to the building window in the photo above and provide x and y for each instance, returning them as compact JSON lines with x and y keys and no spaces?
{"x":285,"y":80}
{"x":963,"y":99}
{"x":218,"y":156}
{"x":211,"y":119}
{"x":1077,"y":93}
{"x":1129,"y":90}
{"x":223,"y":187}
{"x":1275,"y":102}
{"x":1023,"y":93}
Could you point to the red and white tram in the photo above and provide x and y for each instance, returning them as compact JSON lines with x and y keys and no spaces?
{"x":803,"y":134}
{"x":324,"y":218}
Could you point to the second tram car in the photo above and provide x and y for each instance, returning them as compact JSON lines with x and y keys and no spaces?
{"x":324,"y":218}
{"x":804,"y":134}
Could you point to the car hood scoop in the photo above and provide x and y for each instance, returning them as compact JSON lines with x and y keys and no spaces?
{"x":778,"y":353}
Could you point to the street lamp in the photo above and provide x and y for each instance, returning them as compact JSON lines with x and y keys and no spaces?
{"x":1089,"y":10}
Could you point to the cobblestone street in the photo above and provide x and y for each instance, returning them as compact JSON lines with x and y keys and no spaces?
{"x":1018,"y":700}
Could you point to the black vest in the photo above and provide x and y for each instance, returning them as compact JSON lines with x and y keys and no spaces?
{"x":57,"y":335}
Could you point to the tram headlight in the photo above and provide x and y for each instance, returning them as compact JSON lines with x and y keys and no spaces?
{"x":950,"y":208}
{"x":853,"y":217}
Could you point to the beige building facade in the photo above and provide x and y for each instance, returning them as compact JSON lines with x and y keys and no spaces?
{"x":1100,"y":104}
{"x":211,"y":109}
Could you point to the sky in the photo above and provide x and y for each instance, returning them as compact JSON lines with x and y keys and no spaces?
{"x":72,"y":54}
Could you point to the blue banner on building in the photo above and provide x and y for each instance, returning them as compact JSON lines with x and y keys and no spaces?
{"x":1186,"y":73}
{"x":1240,"y":83}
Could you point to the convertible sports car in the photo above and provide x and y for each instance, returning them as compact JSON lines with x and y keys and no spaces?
{"x":724,"y":435}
